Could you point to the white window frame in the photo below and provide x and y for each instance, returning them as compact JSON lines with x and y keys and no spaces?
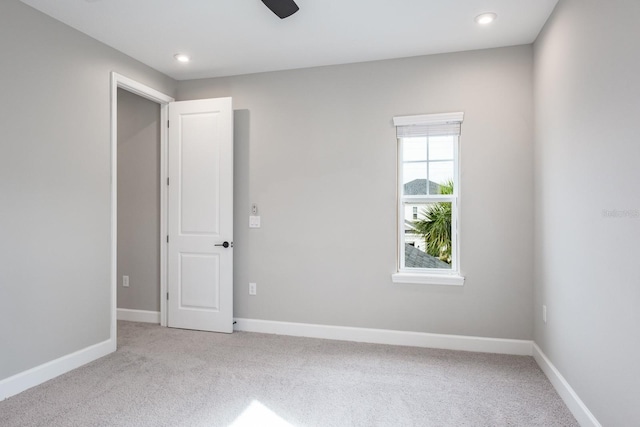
{"x":432,"y":276}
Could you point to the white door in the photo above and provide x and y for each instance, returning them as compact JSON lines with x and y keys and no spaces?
{"x":200,"y":215}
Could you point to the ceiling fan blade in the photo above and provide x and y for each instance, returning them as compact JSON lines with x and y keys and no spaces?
{"x":282,"y":8}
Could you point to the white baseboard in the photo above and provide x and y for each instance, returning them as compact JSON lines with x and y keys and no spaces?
{"x":35,"y":376}
{"x":384,"y":336}
{"x":139,"y":315}
{"x":574,"y":403}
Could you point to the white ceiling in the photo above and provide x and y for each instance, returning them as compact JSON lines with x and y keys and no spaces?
{"x":232,"y":37}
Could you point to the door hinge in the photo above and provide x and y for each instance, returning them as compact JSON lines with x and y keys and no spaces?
{"x":167,"y":180}
{"x":167,"y":238}
{"x":167,"y":295}
{"x":167,"y":123}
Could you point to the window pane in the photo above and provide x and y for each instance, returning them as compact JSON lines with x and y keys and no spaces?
{"x":414,"y":149}
{"x":427,"y":240}
{"x":441,"y":148}
{"x":414,"y":178}
{"x":441,"y":173}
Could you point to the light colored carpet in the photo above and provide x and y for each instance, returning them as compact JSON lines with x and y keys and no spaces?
{"x":171,"y":377}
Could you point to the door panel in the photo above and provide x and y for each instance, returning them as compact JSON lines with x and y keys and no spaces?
{"x":200,"y":276}
{"x":200,"y":173}
{"x":195,"y":268}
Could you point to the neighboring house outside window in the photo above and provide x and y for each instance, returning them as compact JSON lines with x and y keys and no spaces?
{"x":428,"y":191}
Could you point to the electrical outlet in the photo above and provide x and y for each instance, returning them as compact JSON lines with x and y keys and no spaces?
{"x":544,"y":313}
{"x":252,"y":289}
{"x":125,"y":281}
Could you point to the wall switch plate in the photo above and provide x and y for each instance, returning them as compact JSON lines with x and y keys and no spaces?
{"x":254,"y":221}
{"x":125,"y":281}
{"x":252,"y":288}
{"x":544,"y":313}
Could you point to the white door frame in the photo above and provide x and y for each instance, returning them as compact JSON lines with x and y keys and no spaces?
{"x":122,"y":82}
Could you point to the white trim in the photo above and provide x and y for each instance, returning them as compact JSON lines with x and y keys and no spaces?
{"x":385,"y":336}
{"x":114,"y":208}
{"x":139,"y":315}
{"x":428,"y":279}
{"x":428,"y":119}
{"x":569,"y":396}
{"x":164,"y":191}
{"x":140,"y":89}
{"x":35,"y":376}
{"x":120,"y":81}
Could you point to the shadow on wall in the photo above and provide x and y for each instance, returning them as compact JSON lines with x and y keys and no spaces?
{"x":241,"y":208}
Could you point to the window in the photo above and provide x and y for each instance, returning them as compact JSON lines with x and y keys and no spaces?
{"x":428,"y":198}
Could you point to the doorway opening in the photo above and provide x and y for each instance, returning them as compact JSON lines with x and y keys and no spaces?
{"x":138,"y":263}
{"x":138,"y":234}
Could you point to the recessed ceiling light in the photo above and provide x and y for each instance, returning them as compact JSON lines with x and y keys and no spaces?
{"x":181,"y":57}
{"x":486,"y":18}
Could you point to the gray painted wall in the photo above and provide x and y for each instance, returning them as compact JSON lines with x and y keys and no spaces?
{"x":55,"y":186}
{"x":587,"y":222}
{"x":138,"y":202}
{"x":316,"y":150}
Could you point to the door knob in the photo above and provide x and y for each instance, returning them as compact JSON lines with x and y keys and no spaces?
{"x":224,"y":244}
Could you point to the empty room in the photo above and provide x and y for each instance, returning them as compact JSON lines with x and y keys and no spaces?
{"x":319,"y":213}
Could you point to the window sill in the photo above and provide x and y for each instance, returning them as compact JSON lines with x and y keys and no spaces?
{"x":428,"y":279}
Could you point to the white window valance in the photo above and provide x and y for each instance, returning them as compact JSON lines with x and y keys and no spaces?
{"x":445,"y":124}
